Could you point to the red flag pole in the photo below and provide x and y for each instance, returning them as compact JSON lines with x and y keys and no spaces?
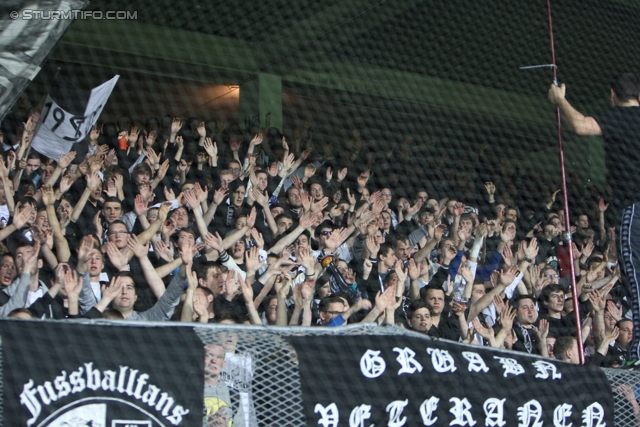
{"x":563,"y":176}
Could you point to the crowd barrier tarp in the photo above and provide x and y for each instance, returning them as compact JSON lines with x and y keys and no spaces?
{"x":110,"y":373}
{"x":56,"y":372}
{"x":399,"y":380}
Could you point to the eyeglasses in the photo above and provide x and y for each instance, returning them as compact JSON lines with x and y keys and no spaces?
{"x":326,"y":233}
{"x":551,"y":276}
{"x":115,"y":233}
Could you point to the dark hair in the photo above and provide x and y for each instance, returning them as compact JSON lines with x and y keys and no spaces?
{"x":516,"y":300}
{"x":117,"y":221}
{"x":130,"y":276}
{"x":324,"y":302}
{"x":208,"y":292}
{"x":14,"y":313}
{"x":203,"y":269}
{"x":562,"y":345}
{"x":26,"y":200}
{"x":416,"y":305}
{"x":141,"y":168}
{"x":283,"y":215}
{"x":626,"y":86}
{"x":546,"y":292}
{"x":227,"y":315}
{"x":384,"y":250}
{"x":402,"y":238}
{"x":34,"y":155}
{"x":621,"y":321}
{"x":112,"y":313}
{"x":112,"y":199}
{"x":323,"y":224}
{"x":187,"y":230}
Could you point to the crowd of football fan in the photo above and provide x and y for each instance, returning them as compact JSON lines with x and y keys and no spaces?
{"x":185,"y":220}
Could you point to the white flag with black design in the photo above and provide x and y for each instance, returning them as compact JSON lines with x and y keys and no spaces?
{"x":68,"y":116}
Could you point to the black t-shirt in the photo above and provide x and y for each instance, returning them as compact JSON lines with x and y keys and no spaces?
{"x":621,"y":132}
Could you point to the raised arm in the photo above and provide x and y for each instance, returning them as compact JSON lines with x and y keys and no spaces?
{"x":582,"y":125}
{"x":93,"y":180}
{"x":62,"y":246}
{"x":151,"y":276}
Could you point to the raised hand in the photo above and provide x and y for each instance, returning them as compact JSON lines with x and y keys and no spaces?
{"x":187,"y":251}
{"x":329,"y":173}
{"x":213,"y":241}
{"x":136,"y":247}
{"x":65,"y":159}
{"x":386,"y":298}
{"x":307,"y":260}
{"x":498,"y":303}
{"x":342,"y":174}
{"x":458,"y":208}
{"x":252,"y":260}
{"x":602,"y":206}
{"x":117,"y":258}
{"x":257,"y":236}
{"x":190,"y":198}
{"x":508,"y":276}
{"x":169,"y":195}
{"x":176,"y":125}
{"x":140,"y":205}
{"x":211,"y":148}
{"x":259,"y":197}
{"x":48,"y":195}
{"x":84,"y":250}
{"x":25,"y":212}
{"x":531,"y":249}
{"x":507,"y":315}
{"x":199,"y":305}
{"x":257,"y":139}
{"x":72,"y":285}
{"x":363,"y":178}
{"x":466,"y":273}
{"x":163,"y":250}
{"x":219,"y":195}
{"x":490,"y":187}
{"x":543,"y":330}
{"x":587,"y":249}
{"x":30,"y":265}
{"x":133,"y":136}
{"x":163,"y":211}
{"x":296,"y":182}
{"x":508,"y":235}
{"x":251,"y":218}
{"x":335,"y":240}
{"x":114,"y":289}
{"x":372,"y":246}
{"x":614,"y":310}
{"x":153,"y":157}
{"x":486,"y":333}
{"x":320,"y":205}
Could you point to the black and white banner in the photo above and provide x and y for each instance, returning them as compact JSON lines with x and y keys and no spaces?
{"x":361,"y":381}
{"x":25,"y":44}
{"x":68,"y":116}
{"x":71,"y":374}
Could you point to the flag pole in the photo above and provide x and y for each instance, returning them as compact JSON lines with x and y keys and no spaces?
{"x":563,"y":175}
